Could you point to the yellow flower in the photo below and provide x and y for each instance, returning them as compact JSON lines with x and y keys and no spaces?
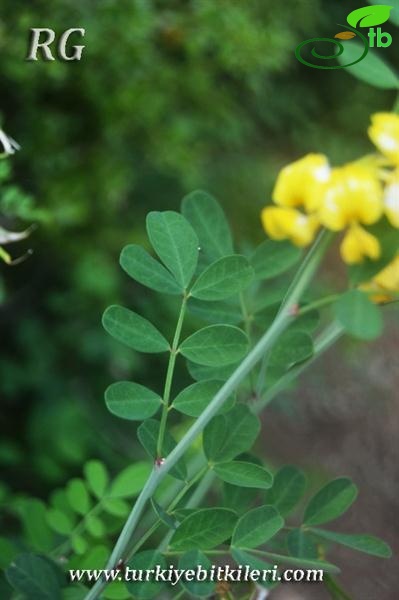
{"x":385,"y":283}
{"x":289,"y":223}
{"x":296,"y":188}
{"x":352,"y":197}
{"x":391,"y":199}
{"x":297,"y":183}
{"x":384,"y":133}
{"x":359,"y":243}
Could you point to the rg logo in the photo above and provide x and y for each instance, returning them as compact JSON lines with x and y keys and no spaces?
{"x":42,"y":38}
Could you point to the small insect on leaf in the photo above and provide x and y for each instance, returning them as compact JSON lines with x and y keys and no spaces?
{"x":345,"y":35}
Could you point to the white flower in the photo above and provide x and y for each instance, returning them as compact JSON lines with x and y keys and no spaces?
{"x":10,"y":146}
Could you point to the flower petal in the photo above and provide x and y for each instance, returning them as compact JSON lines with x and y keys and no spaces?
{"x":358,"y":244}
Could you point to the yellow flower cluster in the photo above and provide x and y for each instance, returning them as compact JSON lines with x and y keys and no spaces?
{"x":310,"y":194}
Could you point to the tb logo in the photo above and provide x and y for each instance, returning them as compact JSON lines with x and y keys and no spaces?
{"x":42,"y":38}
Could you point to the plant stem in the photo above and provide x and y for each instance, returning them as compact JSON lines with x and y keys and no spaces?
{"x":201,"y":472}
{"x":297,"y":287}
{"x":318,"y":303}
{"x":169,"y":377}
{"x":281,"y":322}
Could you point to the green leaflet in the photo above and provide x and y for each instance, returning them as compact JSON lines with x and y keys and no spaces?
{"x":165,"y":517}
{"x":60,"y":521}
{"x":33,"y":514}
{"x":206,"y":372}
{"x":193,"y":400}
{"x":78,"y":496}
{"x":291,"y":348}
{"x":257,"y":527}
{"x":131,"y":401}
{"x":208,"y":219}
{"x":142,"y":267}
{"x":274,"y":258}
{"x":301,"y":544}
{"x":304,"y":563}
{"x":330,"y":502}
{"x":288,"y":488}
{"x":148,"y":437}
{"x":145,"y":590}
{"x":204,"y":529}
{"x":215,"y":345}
{"x":372,"y":69}
{"x":191,"y":560}
{"x":97,"y":477}
{"x":360,"y":542}
{"x":175,"y":242}
{"x":223,"y":278}
{"x":130,"y":481}
{"x":34,"y":577}
{"x":133,"y":330}
{"x":244,"y":474}
{"x":116,"y":507}
{"x":94,"y":526}
{"x":254,"y":562}
{"x":225,"y":311}
{"x":230,"y":434}
{"x":358,"y":315}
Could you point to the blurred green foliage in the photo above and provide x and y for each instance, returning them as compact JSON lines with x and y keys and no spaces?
{"x":168,"y":96}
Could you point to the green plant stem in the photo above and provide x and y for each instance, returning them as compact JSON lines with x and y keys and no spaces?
{"x":169,"y":377}
{"x":295,"y":291}
{"x":318,"y":304}
{"x":201,"y":472}
{"x":281,"y":322}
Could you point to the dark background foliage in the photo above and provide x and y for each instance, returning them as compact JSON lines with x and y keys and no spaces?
{"x":169,"y":96}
